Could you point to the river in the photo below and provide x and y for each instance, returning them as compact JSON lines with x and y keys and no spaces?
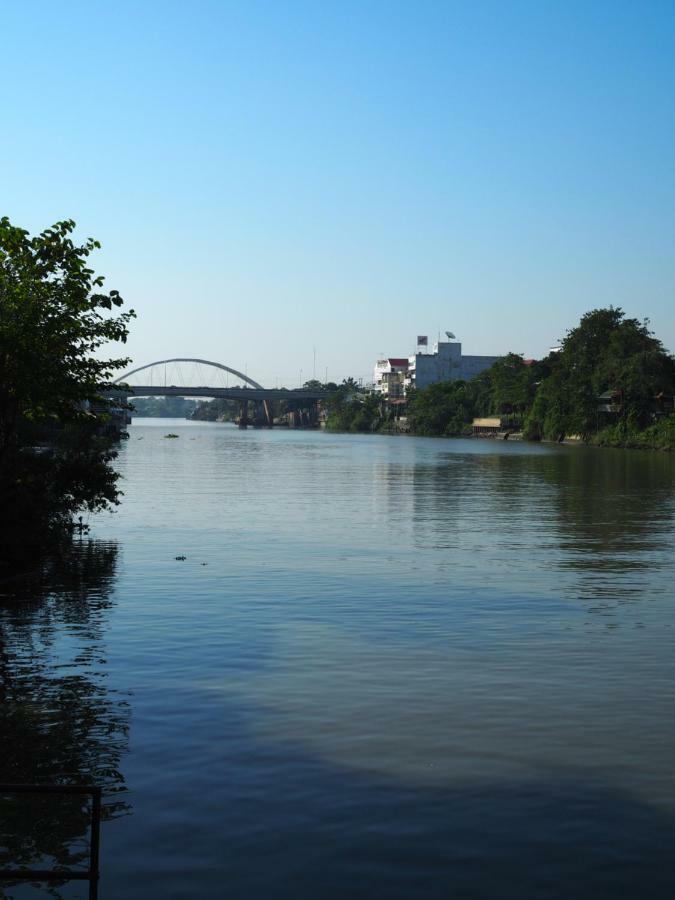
{"x":386,"y":667}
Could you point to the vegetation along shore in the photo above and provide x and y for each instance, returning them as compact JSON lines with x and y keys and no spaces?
{"x":57,"y":432}
{"x":610,"y":383}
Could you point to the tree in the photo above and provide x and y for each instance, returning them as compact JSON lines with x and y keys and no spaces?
{"x":54,"y":317}
{"x":445,"y":407}
{"x":351,"y":409}
{"x":217,"y":410}
{"x":510,"y":385}
{"x":606,"y":352}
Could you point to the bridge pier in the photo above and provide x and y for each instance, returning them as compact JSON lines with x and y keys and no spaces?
{"x":243,"y":414}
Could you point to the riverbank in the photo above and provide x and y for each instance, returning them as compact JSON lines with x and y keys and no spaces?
{"x":660,"y":436}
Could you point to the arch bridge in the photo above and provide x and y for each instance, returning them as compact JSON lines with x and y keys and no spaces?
{"x":215,"y":385}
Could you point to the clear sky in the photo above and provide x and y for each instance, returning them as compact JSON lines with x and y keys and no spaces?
{"x":270,"y":178}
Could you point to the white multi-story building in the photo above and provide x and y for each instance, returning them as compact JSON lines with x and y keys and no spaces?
{"x":393,"y":376}
{"x":445,"y":363}
{"x":389,"y":377}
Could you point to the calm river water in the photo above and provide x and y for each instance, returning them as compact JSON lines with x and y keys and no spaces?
{"x":386,"y":668}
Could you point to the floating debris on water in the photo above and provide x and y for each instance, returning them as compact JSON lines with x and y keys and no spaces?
{"x":171,"y":435}
{"x":181,"y":557}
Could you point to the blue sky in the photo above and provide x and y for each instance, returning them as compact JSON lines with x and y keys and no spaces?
{"x":270,"y":178}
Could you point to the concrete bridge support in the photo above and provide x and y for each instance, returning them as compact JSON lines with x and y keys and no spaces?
{"x":307,"y":417}
{"x":259,"y":414}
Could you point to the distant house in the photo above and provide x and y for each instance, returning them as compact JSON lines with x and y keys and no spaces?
{"x":664,"y":404}
{"x":493,"y":426}
{"x":389,"y":377}
{"x":610,"y":402}
{"x":488,"y":427}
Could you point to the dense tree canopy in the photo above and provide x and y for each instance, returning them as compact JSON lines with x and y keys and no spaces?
{"x":442,"y":408}
{"x":54,"y":317}
{"x":350,"y":409}
{"x":605,"y":353}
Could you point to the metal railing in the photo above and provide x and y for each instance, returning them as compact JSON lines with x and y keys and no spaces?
{"x":92,"y":873}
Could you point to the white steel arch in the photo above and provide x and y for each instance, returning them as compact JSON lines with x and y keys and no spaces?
{"x":204,"y":362}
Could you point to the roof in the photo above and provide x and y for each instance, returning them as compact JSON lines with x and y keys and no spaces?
{"x":490,"y":422}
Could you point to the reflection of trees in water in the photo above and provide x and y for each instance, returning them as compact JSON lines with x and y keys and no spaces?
{"x":612,"y":518}
{"x":479,"y":494}
{"x":611,"y":502}
{"x":604,"y":516}
{"x":59,"y":723}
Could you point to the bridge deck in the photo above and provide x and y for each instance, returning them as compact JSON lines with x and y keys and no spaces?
{"x":233,"y":393}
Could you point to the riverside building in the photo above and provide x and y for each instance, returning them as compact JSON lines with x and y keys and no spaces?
{"x":394,"y":375}
{"x":389,"y":377}
{"x":445,"y":363}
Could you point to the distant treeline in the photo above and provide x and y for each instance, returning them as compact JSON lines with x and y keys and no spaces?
{"x":184,"y":408}
{"x":216,"y":411}
{"x":163,"y":407}
{"x":611,"y":383}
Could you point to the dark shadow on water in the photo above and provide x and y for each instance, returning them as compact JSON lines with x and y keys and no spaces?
{"x":330,"y":834}
{"x":59,"y":722}
{"x":269,"y":820}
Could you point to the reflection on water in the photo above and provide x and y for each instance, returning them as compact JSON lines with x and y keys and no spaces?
{"x":604,"y":518}
{"x":614,"y":523}
{"x":59,"y":722}
{"x":386,"y":667}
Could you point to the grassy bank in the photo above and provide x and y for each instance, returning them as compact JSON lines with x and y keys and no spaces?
{"x":659,"y":436}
